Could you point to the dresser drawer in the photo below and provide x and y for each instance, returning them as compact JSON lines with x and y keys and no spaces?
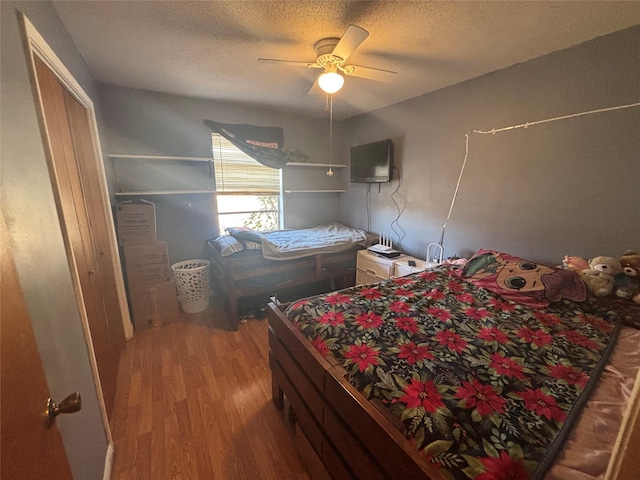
{"x":375,"y":265}
{"x":363,"y":278}
{"x":402,"y":267}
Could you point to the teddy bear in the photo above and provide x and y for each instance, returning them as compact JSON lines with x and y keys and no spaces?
{"x":599,"y":277}
{"x":627,"y":282}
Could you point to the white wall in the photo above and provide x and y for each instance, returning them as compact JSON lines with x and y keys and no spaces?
{"x":568,"y":187}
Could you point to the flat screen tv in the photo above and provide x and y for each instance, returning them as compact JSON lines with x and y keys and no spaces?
{"x":372,"y":163}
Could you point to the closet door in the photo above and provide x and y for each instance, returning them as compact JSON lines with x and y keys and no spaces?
{"x":83,"y":222}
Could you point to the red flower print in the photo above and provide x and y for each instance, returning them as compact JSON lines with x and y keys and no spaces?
{"x":493,"y":334}
{"x":501,"y":305}
{"x":571,"y":375}
{"x":506,"y":366}
{"x":363,"y":355}
{"x":299,"y":304}
{"x":369,"y":320}
{"x":435,"y":295}
{"x":455,"y":286}
{"x":475,"y":313}
{"x":440,"y":313}
{"x":427,"y":275}
{"x":332,"y":318}
{"x":465,"y":298}
{"x":321,"y":346}
{"x":371,"y":293}
{"x":504,"y":467}
{"x":422,"y":394}
{"x":596,"y":322}
{"x":579,"y":339}
{"x":399,"y":307}
{"x":407,"y":324}
{"x":403,"y":280}
{"x":404,"y":292}
{"x":549,"y":319}
{"x":451,"y":340}
{"x":542,"y":404}
{"x":482,"y":397}
{"x":537,"y":337}
{"x":414,"y":353}
{"x":337,"y":298}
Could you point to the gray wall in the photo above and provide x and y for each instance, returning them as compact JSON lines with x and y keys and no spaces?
{"x":34,"y":230}
{"x":567,"y":187}
{"x":148,"y":123}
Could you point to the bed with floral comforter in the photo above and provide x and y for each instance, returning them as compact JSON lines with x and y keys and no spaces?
{"x":483,"y":387}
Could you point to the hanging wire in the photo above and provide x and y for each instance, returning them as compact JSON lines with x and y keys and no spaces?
{"x":455,"y":193}
{"x":514,"y":127}
{"x":554,"y":119}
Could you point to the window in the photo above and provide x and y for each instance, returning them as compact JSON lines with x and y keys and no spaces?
{"x":248,"y":193}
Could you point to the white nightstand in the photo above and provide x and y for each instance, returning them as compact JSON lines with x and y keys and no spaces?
{"x":402,"y":267}
{"x":372,"y":268}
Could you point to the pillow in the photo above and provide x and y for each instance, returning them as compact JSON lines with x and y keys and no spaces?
{"x":521,"y":280}
{"x":228,"y":245}
{"x":245,"y":233}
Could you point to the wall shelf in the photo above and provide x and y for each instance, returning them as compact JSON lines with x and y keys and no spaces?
{"x":159,"y":157}
{"x":162,"y":192}
{"x":314,"y":191}
{"x":140,"y":175}
{"x":302,"y":164}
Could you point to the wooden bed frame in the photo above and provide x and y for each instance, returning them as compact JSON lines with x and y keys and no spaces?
{"x":350,"y":435}
{"x":246,"y":275}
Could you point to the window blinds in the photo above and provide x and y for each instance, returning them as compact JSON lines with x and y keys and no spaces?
{"x":238,"y":173}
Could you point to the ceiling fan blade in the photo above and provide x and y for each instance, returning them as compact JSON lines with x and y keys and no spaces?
{"x":370,"y":73}
{"x":293,"y":63}
{"x":351,"y":40}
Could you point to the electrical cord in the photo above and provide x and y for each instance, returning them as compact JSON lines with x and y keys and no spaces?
{"x":398,"y":209}
{"x":368,"y":203}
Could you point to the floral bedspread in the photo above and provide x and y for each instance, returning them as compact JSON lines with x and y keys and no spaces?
{"x":482,"y":385}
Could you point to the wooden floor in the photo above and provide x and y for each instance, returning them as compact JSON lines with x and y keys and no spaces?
{"x":194,"y":402}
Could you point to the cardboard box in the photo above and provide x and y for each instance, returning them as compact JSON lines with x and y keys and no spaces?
{"x":136,"y":222}
{"x":147,"y":264}
{"x":154,"y":305}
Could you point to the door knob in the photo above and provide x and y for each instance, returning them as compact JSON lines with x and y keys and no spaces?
{"x":71,"y":404}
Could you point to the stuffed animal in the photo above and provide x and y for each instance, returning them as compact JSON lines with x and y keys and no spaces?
{"x":599,"y":277}
{"x":627,"y":283}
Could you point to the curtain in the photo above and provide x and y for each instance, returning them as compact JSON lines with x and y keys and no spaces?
{"x":263,"y":144}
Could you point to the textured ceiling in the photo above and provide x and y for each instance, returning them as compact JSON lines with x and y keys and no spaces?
{"x":210,"y":49}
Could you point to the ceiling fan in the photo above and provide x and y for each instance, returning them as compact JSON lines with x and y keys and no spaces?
{"x":331,"y":55}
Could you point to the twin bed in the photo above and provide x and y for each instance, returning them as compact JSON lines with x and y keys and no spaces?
{"x":246,"y":263}
{"x":457,"y":373}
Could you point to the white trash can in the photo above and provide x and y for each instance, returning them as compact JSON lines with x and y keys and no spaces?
{"x":192,"y":283}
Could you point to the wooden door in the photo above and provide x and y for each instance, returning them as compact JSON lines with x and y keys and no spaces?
{"x":104,"y":249}
{"x":83,"y":223}
{"x":29,"y":449}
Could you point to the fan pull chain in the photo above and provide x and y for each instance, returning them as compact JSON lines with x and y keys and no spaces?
{"x":330,"y":172}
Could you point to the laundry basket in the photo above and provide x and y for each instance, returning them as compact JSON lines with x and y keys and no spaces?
{"x":192,"y":282}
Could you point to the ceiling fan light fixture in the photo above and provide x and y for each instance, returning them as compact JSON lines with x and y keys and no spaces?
{"x":330,"y":82}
